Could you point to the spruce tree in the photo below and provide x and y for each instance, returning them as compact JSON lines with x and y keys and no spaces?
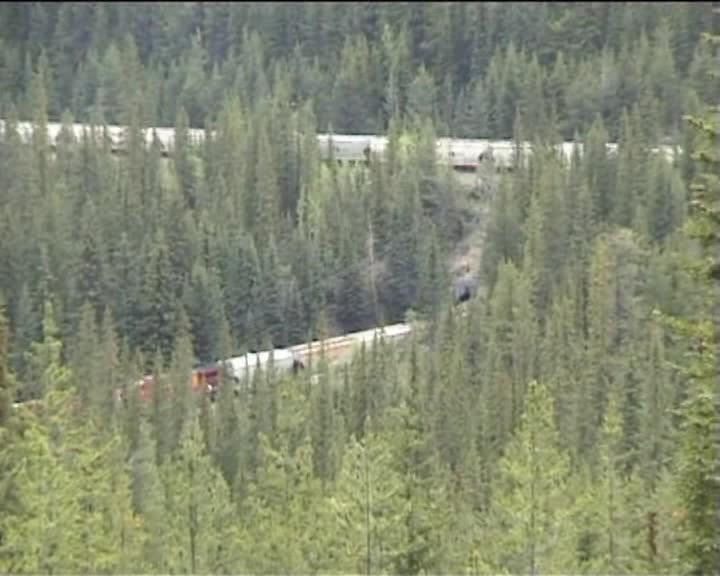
{"x":530,"y":506}
{"x":148,"y":496}
{"x":698,"y":476}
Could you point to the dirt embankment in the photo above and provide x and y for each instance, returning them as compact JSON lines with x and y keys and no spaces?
{"x":479,"y":188}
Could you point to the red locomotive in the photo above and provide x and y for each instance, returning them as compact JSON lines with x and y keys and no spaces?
{"x":205,"y":379}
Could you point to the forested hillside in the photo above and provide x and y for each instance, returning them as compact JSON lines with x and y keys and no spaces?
{"x":564,"y":420}
{"x":469,"y":66}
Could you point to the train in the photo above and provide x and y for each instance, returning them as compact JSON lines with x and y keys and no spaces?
{"x":208,"y":379}
{"x":462,"y":154}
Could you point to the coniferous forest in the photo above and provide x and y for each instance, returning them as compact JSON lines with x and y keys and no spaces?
{"x":565,"y":419}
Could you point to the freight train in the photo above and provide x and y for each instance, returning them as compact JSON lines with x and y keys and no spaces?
{"x":462,"y":154}
{"x":209,"y":378}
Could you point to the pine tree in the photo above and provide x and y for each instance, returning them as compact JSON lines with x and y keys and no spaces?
{"x":698,"y":477}
{"x":41,"y":535}
{"x":368,"y":508}
{"x":560,"y":359}
{"x":510,"y":351}
{"x":307,"y":510}
{"x":455,"y":428}
{"x":353,"y":103}
{"x":421,"y":97}
{"x":504,"y":235}
{"x":614,"y":552}
{"x":109,"y":533}
{"x":41,"y":149}
{"x":7,"y":382}
{"x":157,"y":304}
{"x":193,"y":93}
{"x":91,"y":269}
{"x":281,"y":510}
{"x":601,"y":309}
{"x":598,"y":170}
{"x":204,"y":306}
{"x":126,"y":530}
{"x":264,"y":209}
{"x":626,"y":204}
{"x":184,"y":168}
{"x":270,"y":296}
{"x":657,"y":401}
{"x":181,"y":399}
{"x":426,"y":521}
{"x":530,"y":505}
{"x":45,"y":368}
{"x":353,"y":299}
{"x":199,"y":524}
{"x":325,"y":439}
{"x":10,"y":448}
{"x":84,"y":355}
{"x":397,"y":57}
{"x":148,"y":496}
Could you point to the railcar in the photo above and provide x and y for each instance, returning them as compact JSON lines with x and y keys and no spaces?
{"x":460,"y":153}
{"x":209,"y":378}
{"x":244,"y":367}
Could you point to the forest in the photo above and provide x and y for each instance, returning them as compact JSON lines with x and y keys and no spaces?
{"x":566,"y":419}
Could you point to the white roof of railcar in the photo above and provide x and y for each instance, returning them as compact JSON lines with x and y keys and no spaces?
{"x":166,"y":137}
{"x":252,"y":359}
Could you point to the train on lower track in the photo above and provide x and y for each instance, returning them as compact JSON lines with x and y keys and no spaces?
{"x":209,"y":378}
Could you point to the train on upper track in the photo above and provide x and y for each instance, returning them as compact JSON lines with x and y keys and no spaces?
{"x":461,"y":154}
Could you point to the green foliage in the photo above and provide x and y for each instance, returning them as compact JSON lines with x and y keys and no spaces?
{"x":148,"y":497}
{"x":531,"y":502}
{"x":441,"y":455}
{"x":7,"y":383}
{"x":45,"y":370}
{"x":199,"y":520}
{"x":361,"y":67}
{"x":368,"y":508}
{"x":698,"y":474}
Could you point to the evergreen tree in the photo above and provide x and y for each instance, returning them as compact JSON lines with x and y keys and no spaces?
{"x":421,"y":96}
{"x":656,"y":434}
{"x":43,"y":534}
{"x":148,"y":496}
{"x":250,"y":241}
{"x":503,"y":235}
{"x":264,"y":207}
{"x":698,"y":483}
{"x":157,"y":301}
{"x":7,"y":382}
{"x":45,"y":368}
{"x":199,"y":525}
{"x":531,"y":499}
{"x":325,"y":440}
{"x":368,"y":508}
{"x":615,"y":546}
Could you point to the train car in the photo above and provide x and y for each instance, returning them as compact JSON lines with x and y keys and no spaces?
{"x":346,"y":148}
{"x":205,"y":379}
{"x":244,"y":367}
{"x":460,"y":153}
{"x":208,"y":379}
{"x":467,"y":154}
{"x":341,"y":348}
